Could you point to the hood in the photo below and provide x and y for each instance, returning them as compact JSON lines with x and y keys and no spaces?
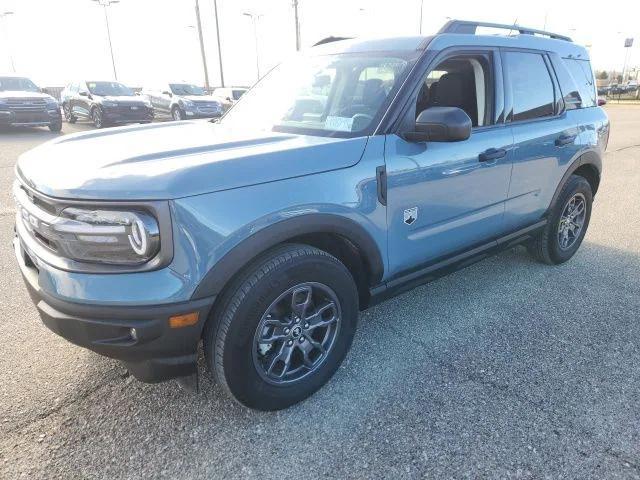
{"x":22,"y":94}
{"x":199,"y":98}
{"x":178,"y":159}
{"x":124,"y":99}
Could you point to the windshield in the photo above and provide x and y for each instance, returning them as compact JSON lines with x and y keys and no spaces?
{"x":186,"y":89}
{"x":17,"y":83}
{"x":334,"y":95}
{"x":109,"y":89}
{"x":238,"y":93}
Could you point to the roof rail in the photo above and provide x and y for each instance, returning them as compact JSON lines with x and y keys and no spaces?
{"x":330,"y":40}
{"x":469,"y":27}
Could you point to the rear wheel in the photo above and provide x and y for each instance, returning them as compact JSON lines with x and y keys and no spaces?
{"x":567,"y":225}
{"x":68,"y":116}
{"x":283,"y":328}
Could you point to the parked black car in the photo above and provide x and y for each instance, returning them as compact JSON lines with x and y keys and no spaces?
{"x":23,"y":103}
{"x":104,"y":103}
{"x":183,"y":100}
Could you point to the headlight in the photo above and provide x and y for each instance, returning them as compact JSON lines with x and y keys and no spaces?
{"x":147,"y":103}
{"x":109,"y":103}
{"x":107,"y":236}
{"x":187,"y":103}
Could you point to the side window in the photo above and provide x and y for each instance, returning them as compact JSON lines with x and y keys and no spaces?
{"x":531,"y":84}
{"x":583,"y":75}
{"x":464,"y":81}
{"x":570,"y":93}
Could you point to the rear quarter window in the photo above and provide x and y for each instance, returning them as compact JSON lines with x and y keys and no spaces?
{"x":582,"y":75}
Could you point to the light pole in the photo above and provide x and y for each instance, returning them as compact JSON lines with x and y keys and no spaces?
{"x":254,"y":18}
{"x":297,"y":20}
{"x":3,"y":15}
{"x":202,"y":52}
{"x":215,"y":10}
{"x":105,"y":4}
{"x":421,"y":7}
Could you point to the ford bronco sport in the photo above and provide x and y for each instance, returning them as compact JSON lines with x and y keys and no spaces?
{"x":352,"y":173}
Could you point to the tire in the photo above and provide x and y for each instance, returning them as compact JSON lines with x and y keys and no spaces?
{"x":97,"y":117}
{"x":176,"y":114}
{"x":232,"y":336}
{"x":68,"y":116}
{"x":55,"y":127}
{"x":548,"y":247}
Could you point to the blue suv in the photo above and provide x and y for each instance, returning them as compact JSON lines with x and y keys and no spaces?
{"x":352,"y":173}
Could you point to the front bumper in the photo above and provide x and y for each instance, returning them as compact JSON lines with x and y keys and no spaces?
{"x":203,"y":112}
{"x":155,"y":352}
{"x":127,"y":114}
{"x":40,"y":118}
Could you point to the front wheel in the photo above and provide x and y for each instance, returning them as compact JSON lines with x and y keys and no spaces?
{"x":97,"y":117}
{"x":283,"y":328}
{"x":55,"y":127}
{"x":567,"y":225}
{"x":176,"y":113}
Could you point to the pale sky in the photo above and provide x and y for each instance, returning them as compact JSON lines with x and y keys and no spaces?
{"x":55,"y":41}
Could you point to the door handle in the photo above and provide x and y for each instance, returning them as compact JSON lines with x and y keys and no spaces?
{"x":492,"y":154}
{"x":565,"y":140}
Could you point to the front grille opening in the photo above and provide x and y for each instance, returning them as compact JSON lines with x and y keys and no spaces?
{"x":45,"y":241}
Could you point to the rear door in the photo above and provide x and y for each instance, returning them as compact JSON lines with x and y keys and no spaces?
{"x":545,"y":134}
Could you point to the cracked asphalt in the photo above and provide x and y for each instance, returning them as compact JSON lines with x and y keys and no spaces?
{"x":508,"y":369}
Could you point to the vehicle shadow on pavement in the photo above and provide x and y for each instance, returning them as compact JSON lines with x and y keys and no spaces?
{"x":29,"y":134}
{"x":507,"y":368}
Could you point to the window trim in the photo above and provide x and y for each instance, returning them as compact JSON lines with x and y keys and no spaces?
{"x":509,"y":100}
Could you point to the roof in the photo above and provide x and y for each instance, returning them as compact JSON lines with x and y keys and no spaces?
{"x":461,"y":33}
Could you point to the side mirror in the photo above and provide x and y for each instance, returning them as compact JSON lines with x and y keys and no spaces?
{"x":601,"y":102}
{"x":83,"y":94}
{"x":44,"y":90}
{"x":441,"y":124}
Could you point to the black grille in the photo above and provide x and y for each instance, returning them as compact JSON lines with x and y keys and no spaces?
{"x":27,"y":104}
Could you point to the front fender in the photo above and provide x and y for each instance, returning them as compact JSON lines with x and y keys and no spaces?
{"x":217,"y":234}
{"x":232,"y":262}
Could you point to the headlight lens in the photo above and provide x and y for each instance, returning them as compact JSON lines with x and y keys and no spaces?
{"x":107,"y":236}
{"x":187,"y":103}
{"x":109,"y":103}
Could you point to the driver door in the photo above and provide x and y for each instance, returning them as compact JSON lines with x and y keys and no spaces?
{"x":445,"y":198}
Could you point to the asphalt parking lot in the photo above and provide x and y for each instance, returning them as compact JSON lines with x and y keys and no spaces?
{"x":508,"y":369}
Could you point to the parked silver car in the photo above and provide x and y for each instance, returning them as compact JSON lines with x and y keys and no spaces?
{"x":183,"y":100}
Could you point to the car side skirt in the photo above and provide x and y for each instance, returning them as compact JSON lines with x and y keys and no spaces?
{"x":406,"y":281}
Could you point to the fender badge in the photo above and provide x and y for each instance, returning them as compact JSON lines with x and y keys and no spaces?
{"x":410,"y":215}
